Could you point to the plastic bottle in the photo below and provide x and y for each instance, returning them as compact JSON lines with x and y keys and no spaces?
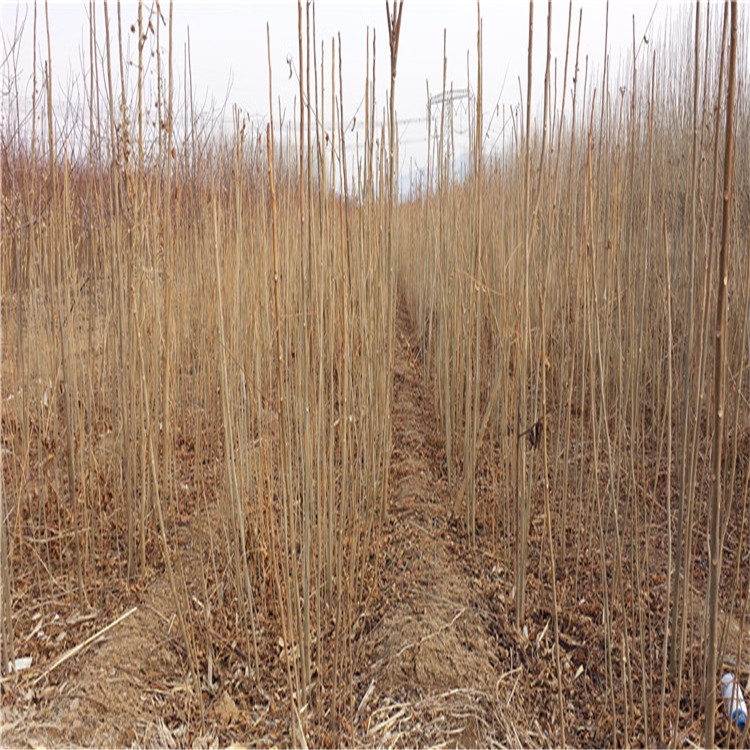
{"x":734,"y":702}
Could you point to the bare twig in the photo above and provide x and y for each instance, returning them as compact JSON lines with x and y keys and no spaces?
{"x":77,"y":649}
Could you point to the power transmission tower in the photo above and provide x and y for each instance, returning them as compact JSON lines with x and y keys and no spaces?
{"x":456,"y":105}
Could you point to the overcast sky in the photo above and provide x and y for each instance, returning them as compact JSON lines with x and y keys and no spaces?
{"x":229,"y":52}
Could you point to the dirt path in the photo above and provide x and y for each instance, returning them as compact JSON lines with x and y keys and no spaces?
{"x":434,"y":673}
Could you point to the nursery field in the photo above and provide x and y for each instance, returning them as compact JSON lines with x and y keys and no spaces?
{"x":295,"y":456}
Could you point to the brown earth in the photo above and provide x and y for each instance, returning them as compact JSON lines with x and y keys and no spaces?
{"x":132,"y":687}
{"x":427,"y":663}
{"x":434,"y":675}
{"x":437,"y":660}
{"x":427,"y":670}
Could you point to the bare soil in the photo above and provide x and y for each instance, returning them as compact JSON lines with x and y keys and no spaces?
{"x":433,"y":674}
{"x":427,"y":667}
{"x":437,"y":659}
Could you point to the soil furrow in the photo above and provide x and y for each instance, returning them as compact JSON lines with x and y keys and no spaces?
{"x":432,"y":669}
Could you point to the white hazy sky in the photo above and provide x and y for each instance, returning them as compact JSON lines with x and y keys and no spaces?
{"x":229,"y":53}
